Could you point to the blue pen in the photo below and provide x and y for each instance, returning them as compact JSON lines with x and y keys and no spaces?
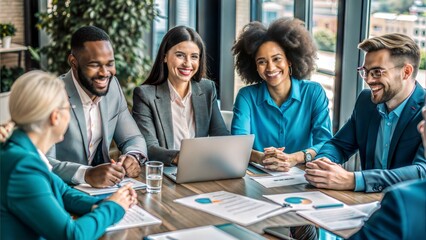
{"x":333,"y":205}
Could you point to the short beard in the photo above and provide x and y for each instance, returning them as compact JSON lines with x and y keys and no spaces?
{"x":88,"y":84}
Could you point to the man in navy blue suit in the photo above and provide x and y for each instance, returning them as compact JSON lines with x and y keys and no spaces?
{"x":403,"y":211}
{"x":383,"y":123}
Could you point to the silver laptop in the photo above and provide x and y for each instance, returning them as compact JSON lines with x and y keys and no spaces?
{"x":212,"y":158}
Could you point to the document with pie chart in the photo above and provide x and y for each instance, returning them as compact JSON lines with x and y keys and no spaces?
{"x":302,"y":200}
{"x":233,"y":207}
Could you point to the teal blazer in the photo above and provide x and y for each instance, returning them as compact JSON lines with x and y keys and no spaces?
{"x":401,"y":216}
{"x":35,"y":203}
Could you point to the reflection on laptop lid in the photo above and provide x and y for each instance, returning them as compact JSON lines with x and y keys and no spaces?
{"x":212,"y":158}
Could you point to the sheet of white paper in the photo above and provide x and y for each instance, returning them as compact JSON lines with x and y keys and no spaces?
{"x":281,"y":180}
{"x":99,"y":191}
{"x":302,"y":200}
{"x":135,"y":217}
{"x":335,"y":218}
{"x":233,"y":207}
{"x":293,"y":170}
{"x":368,"y":208}
{"x":206,"y":232}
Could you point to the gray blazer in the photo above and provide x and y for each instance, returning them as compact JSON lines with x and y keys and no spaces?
{"x":117,"y":123}
{"x":153,"y":114}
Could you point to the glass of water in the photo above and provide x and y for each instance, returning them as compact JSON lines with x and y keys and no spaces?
{"x":154,"y":176}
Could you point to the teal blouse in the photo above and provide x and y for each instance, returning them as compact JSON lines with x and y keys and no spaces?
{"x":35,"y":203}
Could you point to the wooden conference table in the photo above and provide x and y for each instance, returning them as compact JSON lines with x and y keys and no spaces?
{"x":175,"y":216}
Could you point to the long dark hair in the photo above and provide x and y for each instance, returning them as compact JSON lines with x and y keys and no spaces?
{"x":174,"y":36}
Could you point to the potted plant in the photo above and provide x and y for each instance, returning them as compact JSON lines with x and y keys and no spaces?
{"x":7,"y":77}
{"x":7,"y":31}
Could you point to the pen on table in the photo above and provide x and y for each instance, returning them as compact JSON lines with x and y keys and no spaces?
{"x":285,"y":205}
{"x":333,"y":205}
{"x":117,"y":184}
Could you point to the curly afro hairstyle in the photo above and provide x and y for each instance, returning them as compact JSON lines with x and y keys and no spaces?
{"x":289,"y":33}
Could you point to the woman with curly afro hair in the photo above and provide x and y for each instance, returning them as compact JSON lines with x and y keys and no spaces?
{"x":288,"y":114}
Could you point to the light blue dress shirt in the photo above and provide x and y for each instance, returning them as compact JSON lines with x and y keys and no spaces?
{"x":384,"y":138}
{"x":301,"y":122}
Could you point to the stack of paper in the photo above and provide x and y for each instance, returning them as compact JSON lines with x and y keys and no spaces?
{"x":99,"y":191}
{"x":293,"y":170}
{"x":303,"y":200}
{"x":234,"y":207}
{"x":135,"y":217}
{"x":223,"y":232}
{"x":279,"y":179}
{"x":341,"y":218}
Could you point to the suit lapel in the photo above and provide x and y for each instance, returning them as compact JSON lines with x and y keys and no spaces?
{"x":199,"y":107}
{"x":104,"y":122}
{"x":373,"y":129}
{"x":164,"y":110}
{"x":413,"y":105}
{"x":77,"y":112}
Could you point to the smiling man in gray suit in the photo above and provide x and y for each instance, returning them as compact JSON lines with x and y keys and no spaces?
{"x":99,"y":115}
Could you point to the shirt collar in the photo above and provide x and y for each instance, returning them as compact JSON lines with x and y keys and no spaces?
{"x":381,"y":108}
{"x":44,"y":159}
{"x":174,"y":95}
{"x":264,"y":95}
{"x":85,"y":99}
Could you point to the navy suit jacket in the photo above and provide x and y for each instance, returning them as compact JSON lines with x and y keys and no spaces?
{"x":401,"y":216}
{"x":406,"y":158}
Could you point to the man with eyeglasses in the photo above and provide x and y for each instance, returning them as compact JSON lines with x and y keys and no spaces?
{"x":383,"y":123}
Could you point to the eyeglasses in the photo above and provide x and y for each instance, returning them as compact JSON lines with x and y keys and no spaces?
{"x":374,"y":72}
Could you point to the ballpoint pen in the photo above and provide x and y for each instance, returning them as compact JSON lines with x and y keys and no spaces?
{"x":284,"y":205}
{"x":333,"y":205}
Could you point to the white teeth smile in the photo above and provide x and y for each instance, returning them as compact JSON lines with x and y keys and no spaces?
{"x":272,"y":74}
{"x":376,"y":88}
{"x":185,"y":71}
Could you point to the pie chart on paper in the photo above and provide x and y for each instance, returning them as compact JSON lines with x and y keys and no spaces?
{"x":297,"y":200}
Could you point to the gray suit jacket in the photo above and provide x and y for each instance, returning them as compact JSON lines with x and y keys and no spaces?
{"x":117,"y":123}
{"x":153,"y":114}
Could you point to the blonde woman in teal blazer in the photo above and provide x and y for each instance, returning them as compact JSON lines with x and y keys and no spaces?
{"x":36,"y":203}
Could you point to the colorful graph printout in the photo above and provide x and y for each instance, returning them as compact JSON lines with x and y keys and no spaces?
{"x":297,"y":200}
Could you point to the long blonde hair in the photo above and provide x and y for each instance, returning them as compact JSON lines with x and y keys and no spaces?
{"x":33,"y":97}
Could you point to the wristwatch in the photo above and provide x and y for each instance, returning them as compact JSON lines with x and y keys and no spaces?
{"x":308,"y":156}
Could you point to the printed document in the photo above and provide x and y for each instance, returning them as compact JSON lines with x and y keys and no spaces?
{"x":341,"y":218}
{"x":99,"y":191}
{"x":206,"y":232}
{"x":303,"y":200}
{"x":233,"y":207}
{"x":135,"y":217}
{"x":293,"y":170}
{"x":280,"y":180}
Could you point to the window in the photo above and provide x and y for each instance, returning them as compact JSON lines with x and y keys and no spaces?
{"x":160,"y":26}
{"x":242,"y":18}
{"x":274,"y":9}
{"x":324,"y":30}
{"x":394,"y":17}
{"x":186,"y":13}
{"x":270,"y":10}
